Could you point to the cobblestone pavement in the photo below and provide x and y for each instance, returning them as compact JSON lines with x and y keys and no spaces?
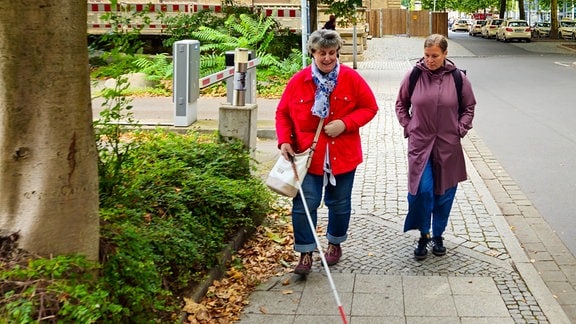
{"x":495,"y":235}
{"x":476,"y":236}
{"x":377,"y":244}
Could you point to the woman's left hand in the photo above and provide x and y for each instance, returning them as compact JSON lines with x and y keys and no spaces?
{"x":335,"y":128}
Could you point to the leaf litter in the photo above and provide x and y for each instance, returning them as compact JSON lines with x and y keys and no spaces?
{"x":268,"y":253}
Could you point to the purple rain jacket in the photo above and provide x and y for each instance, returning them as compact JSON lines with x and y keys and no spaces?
{"x":433,"y":127}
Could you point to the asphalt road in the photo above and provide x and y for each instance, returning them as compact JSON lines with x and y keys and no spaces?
{"x":526,"y":115}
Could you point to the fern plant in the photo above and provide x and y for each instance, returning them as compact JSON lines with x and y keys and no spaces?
{"x":243,"y":31}
{"x":157,"y":68}
{"x":180,"y":26}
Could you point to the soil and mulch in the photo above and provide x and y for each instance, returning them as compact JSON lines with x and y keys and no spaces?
{"x":268,"y":253}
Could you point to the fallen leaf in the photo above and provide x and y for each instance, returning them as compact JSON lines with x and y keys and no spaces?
{"x":263,"y":256}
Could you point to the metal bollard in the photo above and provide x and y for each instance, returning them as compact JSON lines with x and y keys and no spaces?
{"x":250,"y":97}
{"x":241,"y":67}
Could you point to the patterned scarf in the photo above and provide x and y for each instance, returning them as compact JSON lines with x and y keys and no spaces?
{"x":324,"y":86}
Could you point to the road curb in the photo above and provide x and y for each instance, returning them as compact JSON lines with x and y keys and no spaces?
{"x":521,"y":261}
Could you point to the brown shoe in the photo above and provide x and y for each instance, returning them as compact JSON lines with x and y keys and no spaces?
{"x":333,"y":254}
{"x":305,"y":265}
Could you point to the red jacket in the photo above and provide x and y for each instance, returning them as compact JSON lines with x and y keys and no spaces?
{"x":352,"y":101}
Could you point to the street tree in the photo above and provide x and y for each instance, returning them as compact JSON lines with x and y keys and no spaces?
{"x":553,"y":18}
{"x":503,"y":8}
{"x":48,"y":175}
{"x":343,"y":9}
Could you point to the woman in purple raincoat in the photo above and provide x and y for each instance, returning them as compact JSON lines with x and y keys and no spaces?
{"x":434,"y":126}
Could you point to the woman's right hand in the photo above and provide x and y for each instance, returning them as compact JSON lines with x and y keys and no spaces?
{"x":286,"y":151}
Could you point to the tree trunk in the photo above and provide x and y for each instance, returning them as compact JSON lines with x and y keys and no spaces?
{"x":313,"y":15}
{"x":521,"y":10}
{"x":554,"y":19}
{"x":48,"y":175}
{"x":502,"y":13}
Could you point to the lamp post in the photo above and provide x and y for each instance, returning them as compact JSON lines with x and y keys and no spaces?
{"x":304,"y":14}
{"x":354,"y":41}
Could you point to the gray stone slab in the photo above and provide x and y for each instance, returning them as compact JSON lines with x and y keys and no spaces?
{"x":481,"y":305}
{"x":377,"y":284}
{"x":473,"y":286}
{"x":430,"y":296}
{"x":316,"y":319}
{"x":286,"y":282}
{"x":273,"y":302}
{"x":432,"y":305}
{"x":387,"y":304}
{"x":431,"y":286}
{"x":486,"y":320}
{"x":267,"y":319}
{"x":318,"y":283}
{"x":323,"y":303}
{"x":432,"y":320}
{"x":377,"y":320}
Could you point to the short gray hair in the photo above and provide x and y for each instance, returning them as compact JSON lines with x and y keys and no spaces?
{"x":324,"y":39}
{"x":436,"y":40}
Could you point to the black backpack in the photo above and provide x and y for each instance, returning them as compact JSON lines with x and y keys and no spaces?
{"x":415,"y":74}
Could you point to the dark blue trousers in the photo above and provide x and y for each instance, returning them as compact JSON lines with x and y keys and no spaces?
{"x":425,"y":208}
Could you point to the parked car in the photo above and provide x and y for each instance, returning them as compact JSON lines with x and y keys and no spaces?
{"x":541,"y":29}
{"x":460,"y":24}
{"x":567,"y":29}
{"x":489,"y":30}
{"x":511,"y":29}
{"x":476,"y":27}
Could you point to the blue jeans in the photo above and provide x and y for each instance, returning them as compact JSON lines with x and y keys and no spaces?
{"x":337,"y":199}
{"x":425,"y":207}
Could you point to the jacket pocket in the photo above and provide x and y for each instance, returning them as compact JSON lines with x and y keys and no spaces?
{"x":302,"y":114}
{"x":342,"y":104}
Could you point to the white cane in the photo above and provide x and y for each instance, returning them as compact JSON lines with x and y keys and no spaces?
{"x":311,"y":223}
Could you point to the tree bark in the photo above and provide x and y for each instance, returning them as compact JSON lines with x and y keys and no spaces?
{"x":313,"y":11}
{"x":48,"y":170}
{"x":521,"y":10}
{"x":502,"y":13}
{"x":554,"y":19}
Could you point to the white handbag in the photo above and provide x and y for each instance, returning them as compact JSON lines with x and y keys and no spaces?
{"x":282,"y":179}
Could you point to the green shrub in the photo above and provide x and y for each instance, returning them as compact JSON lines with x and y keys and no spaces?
{"x":66,"y":286}
{"x":177,"y":201}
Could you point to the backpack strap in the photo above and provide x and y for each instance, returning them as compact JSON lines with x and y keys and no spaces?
{"x":414,"y":75}
{"x":456,"y":73}
{"x":458,"y":83}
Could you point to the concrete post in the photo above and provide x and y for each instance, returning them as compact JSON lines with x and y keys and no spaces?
{"x":239,"y":122}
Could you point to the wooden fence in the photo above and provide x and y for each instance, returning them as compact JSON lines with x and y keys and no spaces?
{"x":405,"y":22}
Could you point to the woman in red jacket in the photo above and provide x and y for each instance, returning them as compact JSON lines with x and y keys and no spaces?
{"x":324,"y":89}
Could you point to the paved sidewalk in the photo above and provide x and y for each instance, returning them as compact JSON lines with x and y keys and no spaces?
{"x":486,"y":276}
{"x":504,"y":264}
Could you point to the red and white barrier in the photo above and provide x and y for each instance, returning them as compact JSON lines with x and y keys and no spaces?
{"x":224,"y":74}
{"x":287,"y":16}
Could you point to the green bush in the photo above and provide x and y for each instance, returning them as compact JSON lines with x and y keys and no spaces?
{"x":178,"y":201}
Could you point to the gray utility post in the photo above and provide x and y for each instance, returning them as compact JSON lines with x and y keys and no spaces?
{"x":186,"y":82}
{"x":239,"y":119}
